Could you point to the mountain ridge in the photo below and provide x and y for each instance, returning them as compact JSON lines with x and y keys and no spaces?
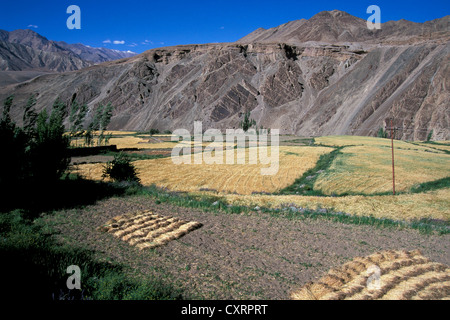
{"x":23,"y":49}
{"x":309,"y":88}
{"x":338,"y":26}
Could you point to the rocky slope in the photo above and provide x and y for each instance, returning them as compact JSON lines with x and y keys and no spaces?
{"x":338,"y":26}
{"x":26,"y":50}
{"x":328,"y":75}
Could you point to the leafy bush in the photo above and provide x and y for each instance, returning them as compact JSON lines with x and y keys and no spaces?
{"x":154,"y":131}
{"x":37,"y":153}
{"x":120,"y":169}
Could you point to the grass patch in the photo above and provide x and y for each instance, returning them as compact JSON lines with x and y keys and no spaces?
{"x":138,"y":156}
{"x":367,"y":170}
{"x":219,"y":205}
{"x":432,"y":185}
{"x":434,"y":145}
{"x":424,"y":226}
{"x":36,"y":265}
{"x":305,"y":184}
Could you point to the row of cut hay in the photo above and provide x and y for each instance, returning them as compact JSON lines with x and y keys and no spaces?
{"x":389,"y":275}
{"x":147,"y":230}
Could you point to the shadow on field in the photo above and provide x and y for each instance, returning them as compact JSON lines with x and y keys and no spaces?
{"x":35,"y":268}
{"x":64,"y":194}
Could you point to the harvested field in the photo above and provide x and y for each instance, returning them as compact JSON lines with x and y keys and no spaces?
{"x":368,"y":170}
{"x":362,"y":169}
{"x":339,"y":141}
{"x":257,"y":256}
{"x":147,"y":230}
{"x":238,"y":178}
{"x":387,"y":275}
{"x":432,"y":205}
{"x":441,"y":145}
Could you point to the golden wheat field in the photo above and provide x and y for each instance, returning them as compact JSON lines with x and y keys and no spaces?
{"x":238,"y":178}
{"x":433,"y":204}
{"x":363,"y":167}
{"x":147,"y":230}
{"x":387,"y":275}
{"x":368,"y":169}
{"x":442,"y":145}
{"x":372,"y":142}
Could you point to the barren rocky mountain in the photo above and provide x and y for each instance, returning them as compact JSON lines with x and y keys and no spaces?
{"x":26,"y":50}
{"x":338,"y":26}
{"x":327,"y":75}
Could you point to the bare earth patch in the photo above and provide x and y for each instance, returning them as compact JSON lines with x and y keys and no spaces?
{"x":238,"y":256}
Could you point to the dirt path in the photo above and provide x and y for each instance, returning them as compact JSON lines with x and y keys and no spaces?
{"x":254,"y":256}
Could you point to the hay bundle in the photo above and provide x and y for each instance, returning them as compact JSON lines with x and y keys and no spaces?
{"x":388,"y":275}
{"x":148,"y":230}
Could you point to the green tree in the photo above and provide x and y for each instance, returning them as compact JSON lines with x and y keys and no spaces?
{"x":247,"y":123}
{"x":14,"y":143}
{"x":430,"y":136}
{"x":382,"y":133}
{"x":29,"y":116}
{"x":154,"y":131}
{"x":37,"y":152}
{"x":88,"y":137}
{"x":107,"y":138}
{"x":49,"y":150}
{"x":5,"y":121}
{"x":106,"y":116}
{"x":95,"y":123}
{"x":105,"y":119}
{"x":101,"y":120}
{"x":76,"y":119}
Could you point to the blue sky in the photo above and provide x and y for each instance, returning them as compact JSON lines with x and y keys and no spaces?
{"x":142,"y":25}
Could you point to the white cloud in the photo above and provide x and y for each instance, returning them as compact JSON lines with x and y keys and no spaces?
{"x":32,"y":26}
{"x":133,"y":45}
{"x":114,"y":42}
{"x":146,"y":42}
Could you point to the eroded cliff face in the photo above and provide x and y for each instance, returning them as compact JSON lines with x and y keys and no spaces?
{"x":307,"y":89}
